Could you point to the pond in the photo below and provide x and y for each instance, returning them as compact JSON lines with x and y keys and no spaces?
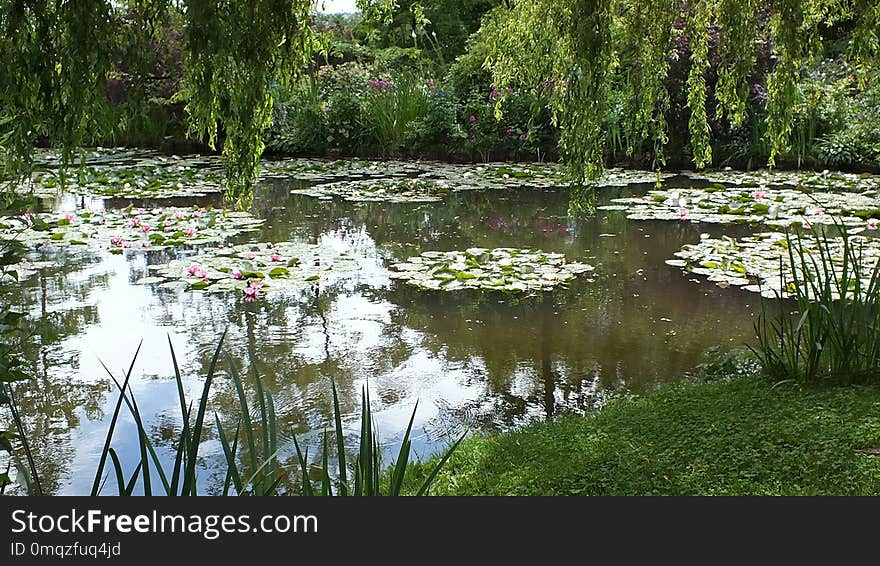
{"x":472,"y":359}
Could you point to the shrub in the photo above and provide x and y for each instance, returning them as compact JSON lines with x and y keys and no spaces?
{"x":300,"y":123}
{"x":439,"y":129}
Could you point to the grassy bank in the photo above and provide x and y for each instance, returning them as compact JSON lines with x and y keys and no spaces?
{"x":734,"y":437}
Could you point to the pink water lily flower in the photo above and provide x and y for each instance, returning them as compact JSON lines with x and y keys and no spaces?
{"x":810,"y":211}
{"x":28,"y":218}
{"x":252,"y":292}
{"x":275,"y":257}
{"x":69,"y":217}
{"x":117,"y":241}
{"x":134,"y":222}
{"x":193,"y":269}
{"x":190,"y":232}
{"x":178,"y":216}
{"x":237,"y":274}
{"x":873,"y":223}
{"x":760,"y":195}
{"x":201,"y":273}
{"x":250,"y":255}
{"x":145,"y":228}
{"x":806,"y":224}
{"x":143,"y":244}
{"x":683,"y":214}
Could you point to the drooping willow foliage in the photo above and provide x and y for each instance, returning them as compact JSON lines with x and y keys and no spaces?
{"x":237,"y":53}
{"x":624,"y":47}
{"x":57,"y":55}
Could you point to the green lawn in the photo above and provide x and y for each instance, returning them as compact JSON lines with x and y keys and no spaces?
{"x":729,"y":437}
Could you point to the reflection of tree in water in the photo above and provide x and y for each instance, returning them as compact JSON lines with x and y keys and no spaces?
{"x":53,"y":403}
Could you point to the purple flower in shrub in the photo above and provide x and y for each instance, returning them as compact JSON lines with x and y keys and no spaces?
{"x":472,"y":118}
{"x":522,"y":137}
{"x":510,"y":132}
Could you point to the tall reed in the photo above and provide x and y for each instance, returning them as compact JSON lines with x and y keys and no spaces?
{"x":251,"y":453}
{"x":834,"y":333}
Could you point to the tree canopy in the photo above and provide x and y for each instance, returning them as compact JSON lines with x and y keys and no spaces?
{"x":58,"y":55}
{"x":599,"y":47}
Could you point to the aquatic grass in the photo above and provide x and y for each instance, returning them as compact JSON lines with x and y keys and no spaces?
{"x":251,"y":456}
{"x":388,"y":109}
{"x":834,"y":333}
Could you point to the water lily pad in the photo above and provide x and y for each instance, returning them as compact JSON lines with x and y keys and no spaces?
{"x":778,"y":207}
{"x":761,"y":262}
{"x":502,"y":269}
{"x":131,"y":228}
{"x":234,"y":268}
{"x":132,"y":175}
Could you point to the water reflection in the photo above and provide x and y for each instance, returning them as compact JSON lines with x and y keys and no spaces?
{"x":469,"y":359}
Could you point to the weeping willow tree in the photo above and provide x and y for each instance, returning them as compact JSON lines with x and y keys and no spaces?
{"x":624,"y":47}
{"x":57,"y":55}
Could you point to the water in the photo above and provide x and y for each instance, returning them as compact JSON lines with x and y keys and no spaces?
{"x":472,"y":360}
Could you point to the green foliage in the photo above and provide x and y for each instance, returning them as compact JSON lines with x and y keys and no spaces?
{"x":235,"y":52}
{"x":52,"y":79}
{"x":438,"y":127}
{"x":834,"y":333}
{"x":620,"y":51}
{"x":438,"y":28}
{"x":389,"y":108}
{"x":738,"y":436}
{"x":13,"y":368}
{"x":300,"y":124}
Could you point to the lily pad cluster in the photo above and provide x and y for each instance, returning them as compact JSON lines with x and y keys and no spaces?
{"x":254,"y":269}
{"x":130,"y":228}
{"x":161,"y":177}
{"x":779,"y":207}
{"x":761,"y":262}
{"x":499,"y":269}
{"x":824,"y":180}
{"x":398,"y":190}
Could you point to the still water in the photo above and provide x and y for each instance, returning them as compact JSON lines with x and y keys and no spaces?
{"x":471,"y":360}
